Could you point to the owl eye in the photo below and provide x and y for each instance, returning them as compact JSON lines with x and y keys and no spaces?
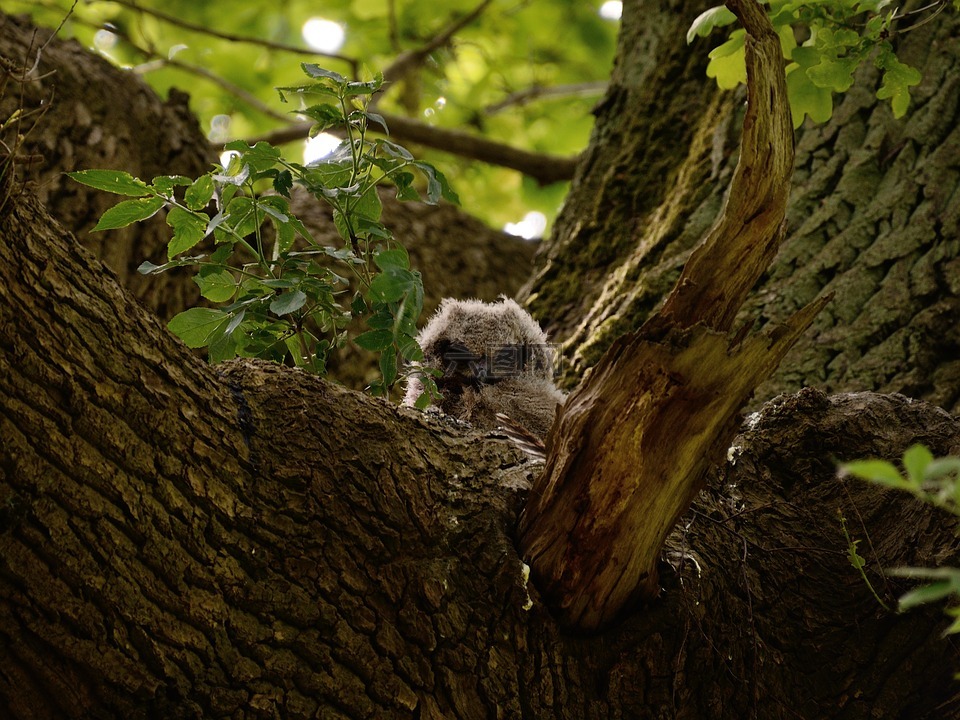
{"x":458,"y":358}
{"x":507,"y":361}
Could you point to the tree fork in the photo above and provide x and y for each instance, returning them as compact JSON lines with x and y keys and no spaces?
{"x":632,"y":445}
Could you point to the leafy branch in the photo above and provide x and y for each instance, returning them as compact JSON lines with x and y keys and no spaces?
{"x":935,"y":481}
{"x":280,"y":293}
{"x":840,"y":35}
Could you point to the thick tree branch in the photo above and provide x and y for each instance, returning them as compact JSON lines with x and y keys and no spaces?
{"x":631,"y":446}
{"x":545,"y":169}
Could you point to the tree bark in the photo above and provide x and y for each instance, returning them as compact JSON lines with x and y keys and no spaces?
{"x":180,"y":540}
{"x":184,"y":541}
{"x":870,"y":218}
{"x":632,"y":444}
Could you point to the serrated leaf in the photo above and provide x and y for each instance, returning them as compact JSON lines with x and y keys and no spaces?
{"x":374,"y":340}
{"x":283,"y":182}
{"x":393,"y":258}
{"x":114,"y":181}
{"x":288,"y":302}
{"x":164,"y":184}
{"x":188,"y":230}
{"x":196,"y":325}
{"x":706,"y":21}
{"x":217,"y":285}
{"x":199,"y":194}
{"x":129,"y":212}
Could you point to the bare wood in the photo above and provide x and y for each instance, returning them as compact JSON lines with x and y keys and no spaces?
{"x":632,"y":445}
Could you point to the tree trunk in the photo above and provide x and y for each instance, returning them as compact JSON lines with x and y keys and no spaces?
{"x":872,"y":217}
{"x":179,"y":540}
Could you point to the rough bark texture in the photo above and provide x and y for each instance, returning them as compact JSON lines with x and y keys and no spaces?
{"x":873,"y":215}
{"x":184,"y":541}
{"x":632,"y":444}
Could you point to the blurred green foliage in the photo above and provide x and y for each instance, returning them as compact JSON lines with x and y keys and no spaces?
{"x":511,"y":47}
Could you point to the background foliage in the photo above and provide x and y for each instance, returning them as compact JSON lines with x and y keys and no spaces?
{"x":468,"y":84}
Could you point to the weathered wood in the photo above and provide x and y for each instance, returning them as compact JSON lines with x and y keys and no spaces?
{"x":186,"y":541}
{"x":631,"y":446}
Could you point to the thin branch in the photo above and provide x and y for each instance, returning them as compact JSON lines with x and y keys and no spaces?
{"x":230,"y":37}
{"x":522,"y":97}
{"x":158,"y":61}
{"x":235,"y":90}
{"x":408,"y":61}
{"x":545,"y":169}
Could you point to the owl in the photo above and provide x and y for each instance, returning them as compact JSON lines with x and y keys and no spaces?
{"x":495,"y":360}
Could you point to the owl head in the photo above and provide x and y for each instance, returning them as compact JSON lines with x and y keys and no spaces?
{"x":492,"y":358}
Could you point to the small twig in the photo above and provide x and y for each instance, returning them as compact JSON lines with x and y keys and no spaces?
{"x":235,"y":90}
{"x":406,"y":62}
{"x":230,"y":37}
{"x":522,"y":97}
{"x":941,"y":6}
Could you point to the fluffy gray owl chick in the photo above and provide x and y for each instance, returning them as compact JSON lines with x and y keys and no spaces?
{"x":495,"y":359}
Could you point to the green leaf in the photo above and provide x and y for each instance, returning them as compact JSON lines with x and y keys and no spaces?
{"x":315,"y":71}
{"x":260,"y":157}
{"x":216,"y":285}
{"x":325,"y":116}
{"x":392,"y":285}
{"x":164,"y":184}
{"x":915,"y":462}
{"x":856,"y":560}
{"x":727,"y":62}
{"x":222,"y":346}
{"x":368,"y":205}
{"x":188,"y":230}
{"x":288,"y":302}
{"x":113,"y":181}
{"x":926,"y":594}
{"x":129,"y":212}
{"x":374,"y":340}
{"x":878,"y":471}
{"x":409,"y":348}
{"x":199,"y":193}
{"x":437,"y":185}
{"x":283,"y":182}
{"x":393,"y":258}
{"x":196,"y":325}
{"x":805,"y":97}
{"x":388,"y":367}
{"x":706,"y":21}
{"x":898,"y":78}
{"x":835,"y":75}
